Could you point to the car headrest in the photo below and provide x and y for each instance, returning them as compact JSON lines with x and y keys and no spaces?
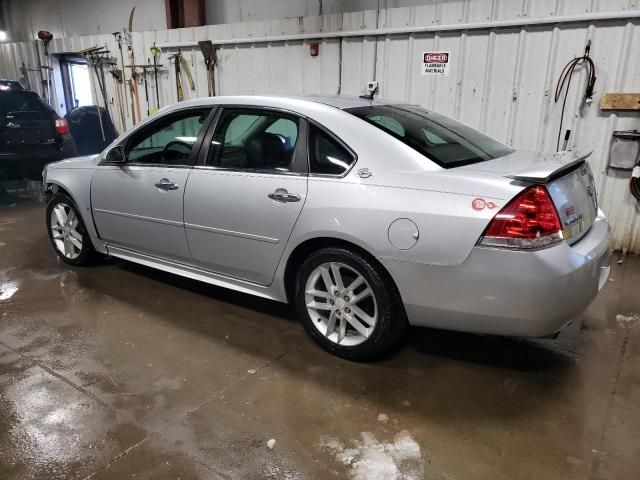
{"x":266,"y":151}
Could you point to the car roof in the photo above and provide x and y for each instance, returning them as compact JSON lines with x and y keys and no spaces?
{"x":341,"y":102}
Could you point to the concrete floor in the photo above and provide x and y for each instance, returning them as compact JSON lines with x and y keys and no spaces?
{"x":118,"y":371}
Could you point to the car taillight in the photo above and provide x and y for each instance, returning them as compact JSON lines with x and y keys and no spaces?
{"x":528,"y":221}
{"x":62,"y":126}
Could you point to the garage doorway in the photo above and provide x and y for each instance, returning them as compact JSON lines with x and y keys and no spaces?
{"x":76,"y":82}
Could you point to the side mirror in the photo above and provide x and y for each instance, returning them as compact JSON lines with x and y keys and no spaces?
{"x":115,"y":155}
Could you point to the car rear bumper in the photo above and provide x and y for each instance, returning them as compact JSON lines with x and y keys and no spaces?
{"x":18,"y":165}
{"x":503,"y":292}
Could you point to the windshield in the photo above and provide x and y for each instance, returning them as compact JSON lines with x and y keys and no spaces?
{"x":447,"y":142}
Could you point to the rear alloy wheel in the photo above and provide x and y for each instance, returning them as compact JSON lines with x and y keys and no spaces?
{"x":341,"y":304}
{"x":67,"y":232}
{"x":348,"y":304}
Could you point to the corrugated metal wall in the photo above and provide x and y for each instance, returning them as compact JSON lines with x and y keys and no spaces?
{"x":501,"y":81}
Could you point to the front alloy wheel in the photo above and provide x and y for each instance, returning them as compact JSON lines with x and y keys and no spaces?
{"x":64,"y":231}
{"x":67,"y":232}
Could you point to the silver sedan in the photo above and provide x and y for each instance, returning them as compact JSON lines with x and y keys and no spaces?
{"x":366,"y":215}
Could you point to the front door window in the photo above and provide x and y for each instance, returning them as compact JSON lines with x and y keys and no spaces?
{"x":169,"y":141}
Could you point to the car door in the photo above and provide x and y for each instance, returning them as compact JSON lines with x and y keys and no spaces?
{"x":138,"y":204}
{"x":244,"y":197}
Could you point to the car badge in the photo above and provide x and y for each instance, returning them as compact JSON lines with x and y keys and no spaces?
{"x":365,"y":173}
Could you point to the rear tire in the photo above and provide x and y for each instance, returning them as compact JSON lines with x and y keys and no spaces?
{"x":348,"y":304}
{"x":67,"y":232}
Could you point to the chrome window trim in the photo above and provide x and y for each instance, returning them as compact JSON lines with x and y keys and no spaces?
{"x":274,"y":173}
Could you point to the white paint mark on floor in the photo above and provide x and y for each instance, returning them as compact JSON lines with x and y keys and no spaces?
{"x":7,"y":290}
{"x":370,"y":459}
{"x":383,"y":417}
{"x":627,"y":319}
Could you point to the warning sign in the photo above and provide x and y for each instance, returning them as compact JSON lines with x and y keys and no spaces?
{"x":435,"y":63}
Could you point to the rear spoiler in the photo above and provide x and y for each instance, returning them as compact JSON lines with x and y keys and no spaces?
{"x":557,"y":168}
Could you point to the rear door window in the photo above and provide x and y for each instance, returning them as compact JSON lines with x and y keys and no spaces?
{"x":248,"y":139}
{"x":439,"y":138}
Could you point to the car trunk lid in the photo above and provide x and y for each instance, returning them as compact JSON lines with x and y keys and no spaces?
{"x":567,"y":177}
{"x":24,"y":129}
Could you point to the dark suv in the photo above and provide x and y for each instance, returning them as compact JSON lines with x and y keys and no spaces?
{"x":31,"y":135}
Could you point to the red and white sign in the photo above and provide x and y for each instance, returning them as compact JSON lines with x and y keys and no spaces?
{"x":435,"y":63}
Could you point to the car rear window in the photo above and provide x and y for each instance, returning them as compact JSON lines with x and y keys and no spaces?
{"x":21,"y":102}
{"x":441,"y":139}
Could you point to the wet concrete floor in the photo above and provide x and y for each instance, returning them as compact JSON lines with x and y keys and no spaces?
{"x":119,"y":371}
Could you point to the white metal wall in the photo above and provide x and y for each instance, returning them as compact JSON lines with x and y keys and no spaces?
{"x":65,"y":18}
{"x":501,"y":81}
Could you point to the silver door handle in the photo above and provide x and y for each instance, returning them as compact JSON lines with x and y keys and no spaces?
{"x":166,"y":185}
{"x":281,"y":195}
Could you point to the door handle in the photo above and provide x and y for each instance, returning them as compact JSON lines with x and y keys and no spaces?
{"x":283,"y":196}
{"x":165,"y":185}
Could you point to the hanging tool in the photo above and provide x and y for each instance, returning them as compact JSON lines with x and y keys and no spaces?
{"x":46,"y":37}
{"x":179,"y":89}
{"x":132,"y":62}
{"x":40,"y":70}
{"x":155,"y":52}
{"x":96,"y":58}
{"x":565,"y":76}
{"x":25,"y":75}
{"x":146,"y":86}
{"x":123,"y":90}
{"x":118,"y":83}
{"x":145,"y":69}
{"x":95,"y":94}
{"x":181,"y":64}
{"x":25,"y":69}
{"x":210,"y":60}
{"x":187,"y":71}
{"x":130,"y":83}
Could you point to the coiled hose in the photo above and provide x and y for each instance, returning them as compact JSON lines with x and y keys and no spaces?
{"x":565,"y":76}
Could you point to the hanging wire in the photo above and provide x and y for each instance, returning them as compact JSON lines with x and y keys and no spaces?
{"x":634,"y":183}
{"x":565,"y":76}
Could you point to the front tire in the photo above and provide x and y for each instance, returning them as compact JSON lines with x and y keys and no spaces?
{"x":67,"y":232}
{"x":348,"y":304}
